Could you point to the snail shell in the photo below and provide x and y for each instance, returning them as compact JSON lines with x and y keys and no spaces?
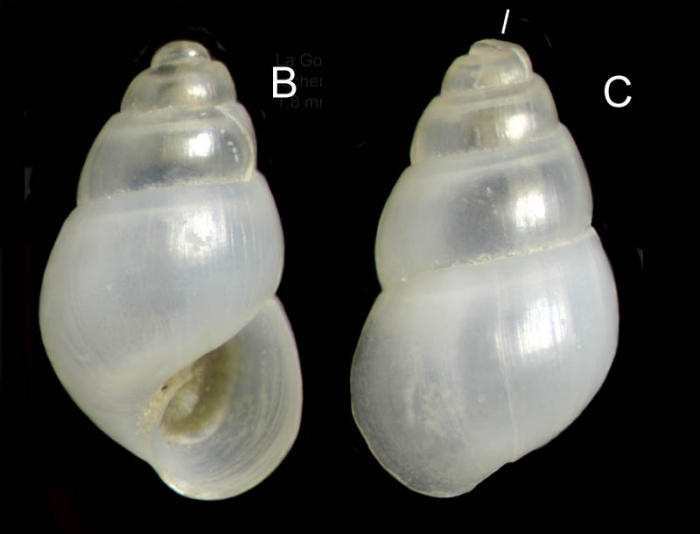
{"x":498,"y":319}
{"x":158,"y":308}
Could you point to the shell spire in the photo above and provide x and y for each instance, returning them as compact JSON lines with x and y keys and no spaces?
{"x":180,"y":124}
{"x":490,"y":99}
{"x":497,"y":321}
{"x":182,"y":74}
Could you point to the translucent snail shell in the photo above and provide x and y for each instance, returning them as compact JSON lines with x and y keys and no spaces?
{"x":498,"y":319}
{"x":158,"y":308}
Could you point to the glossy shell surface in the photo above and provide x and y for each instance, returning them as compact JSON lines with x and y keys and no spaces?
{"x":158,"y":308}
{"x":498,"y":318}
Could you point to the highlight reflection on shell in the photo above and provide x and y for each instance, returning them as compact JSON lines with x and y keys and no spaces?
{"x":498,"y":321}
{"x":158,"y":308}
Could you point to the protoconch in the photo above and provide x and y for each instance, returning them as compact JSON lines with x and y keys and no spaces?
{"x":498,"y":319}
{"x":158,"y":308}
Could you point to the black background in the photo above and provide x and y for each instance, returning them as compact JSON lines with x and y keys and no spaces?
{"x":331,"y":165}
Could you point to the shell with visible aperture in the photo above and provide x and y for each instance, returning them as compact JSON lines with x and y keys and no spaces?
{"x":158,"y":308}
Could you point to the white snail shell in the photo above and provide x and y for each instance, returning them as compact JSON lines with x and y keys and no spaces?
{"x":498,"y":318}
{"x":158,"y":308}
